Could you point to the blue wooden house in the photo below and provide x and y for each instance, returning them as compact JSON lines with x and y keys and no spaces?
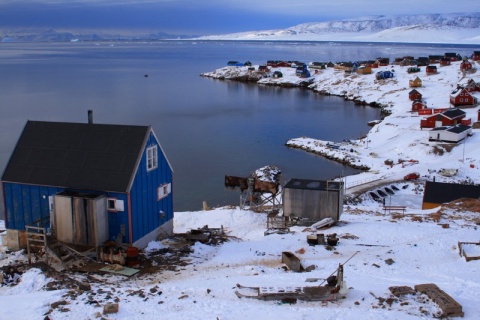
{"x":88,"y":183}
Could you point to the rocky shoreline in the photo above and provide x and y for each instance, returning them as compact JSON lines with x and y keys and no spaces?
{"x":336,"y":152}
{"x":246,"y":75}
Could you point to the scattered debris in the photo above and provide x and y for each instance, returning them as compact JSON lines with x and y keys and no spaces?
{"x":118,"y":269}
{"x":10,"y":275}
{"x":207,"y":235}
{"x":111,"y":253}
{"x":292,"y":262}
{"x":110,"y":308}
{"x":398,"y":291}
{"x":326,"y":222}
{"x":321,"y":239}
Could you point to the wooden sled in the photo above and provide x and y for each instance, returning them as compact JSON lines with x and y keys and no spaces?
{"x":334,"y":289}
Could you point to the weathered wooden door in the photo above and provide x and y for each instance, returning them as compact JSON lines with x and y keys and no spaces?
{"x":81,"y":219}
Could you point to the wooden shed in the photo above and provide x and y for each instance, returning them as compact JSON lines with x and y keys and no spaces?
{"x":313,"y":200}
{"x":88,"y":183}
{"x":364,"y":70}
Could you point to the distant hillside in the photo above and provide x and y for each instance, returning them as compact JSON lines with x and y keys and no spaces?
{"x":459,"y":28}
{"x":57,"y":36}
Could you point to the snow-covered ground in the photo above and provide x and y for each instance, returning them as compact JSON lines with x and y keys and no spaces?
{"x":385,"y":249}
{"x":421,"y":251}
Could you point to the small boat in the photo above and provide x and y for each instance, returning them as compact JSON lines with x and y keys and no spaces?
{"x":334,"y":289}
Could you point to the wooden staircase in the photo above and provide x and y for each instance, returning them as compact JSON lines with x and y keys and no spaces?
{"x":36,"y":241}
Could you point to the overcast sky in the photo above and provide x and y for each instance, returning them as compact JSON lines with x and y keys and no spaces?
{"x":203,"y":17}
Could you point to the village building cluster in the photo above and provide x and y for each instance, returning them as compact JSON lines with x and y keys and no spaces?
{"x":439,"y":119}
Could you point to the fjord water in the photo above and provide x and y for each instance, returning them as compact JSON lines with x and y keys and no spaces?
{"x":207,"y":128}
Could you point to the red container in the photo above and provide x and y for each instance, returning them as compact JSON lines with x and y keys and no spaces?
{"x":132,"y":256}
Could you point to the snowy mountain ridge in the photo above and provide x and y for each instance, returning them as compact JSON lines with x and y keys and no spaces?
{"x":432,"y":28}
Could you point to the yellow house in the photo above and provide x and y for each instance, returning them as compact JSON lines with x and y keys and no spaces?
{"x":415,"y":83}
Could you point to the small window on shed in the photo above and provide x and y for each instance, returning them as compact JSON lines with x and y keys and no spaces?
{"x":111,"y":204}
{"x":152,"y":158}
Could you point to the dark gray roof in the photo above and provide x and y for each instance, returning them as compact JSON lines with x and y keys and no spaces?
{"x":453,"y":113}
{"x":313,"y":184}
{"x":459,"y":128}
{"x":439,"y":192}
{"x":77,"y":155}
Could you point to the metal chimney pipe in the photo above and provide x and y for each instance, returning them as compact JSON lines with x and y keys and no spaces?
{"x":90,"y":116}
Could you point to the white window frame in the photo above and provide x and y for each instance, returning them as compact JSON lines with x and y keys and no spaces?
{"x":109,"y":207}
{"x":164,"y":190}
{"x":152,"y":158}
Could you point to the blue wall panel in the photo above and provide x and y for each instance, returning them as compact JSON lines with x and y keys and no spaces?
{"x":25,"y":205}
{"x":146,"y":208}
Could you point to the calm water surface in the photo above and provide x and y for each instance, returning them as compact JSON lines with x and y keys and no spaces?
{"x":207,"y":128}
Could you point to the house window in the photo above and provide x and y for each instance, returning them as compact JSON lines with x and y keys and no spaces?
{"x":152,"y":158}
{"x":164,"y":190}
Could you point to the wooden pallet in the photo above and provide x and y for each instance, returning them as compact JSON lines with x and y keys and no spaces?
{"x":449,"y":306}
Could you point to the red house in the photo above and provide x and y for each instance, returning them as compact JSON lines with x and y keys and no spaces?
{"x":419,"y":104}
{"x":263,"y":69}
{"x":452,"y":56}
{"x":414,"y":95}
{"x":431,"y":70}
{"x":382,"y":61}
{"x":468,"y":84}
{"x":445,"y":62}
{"x":450,"y":117}
{"x":465,"y":65}
{"x":461,"y":97}
{"x":476,"y":56}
